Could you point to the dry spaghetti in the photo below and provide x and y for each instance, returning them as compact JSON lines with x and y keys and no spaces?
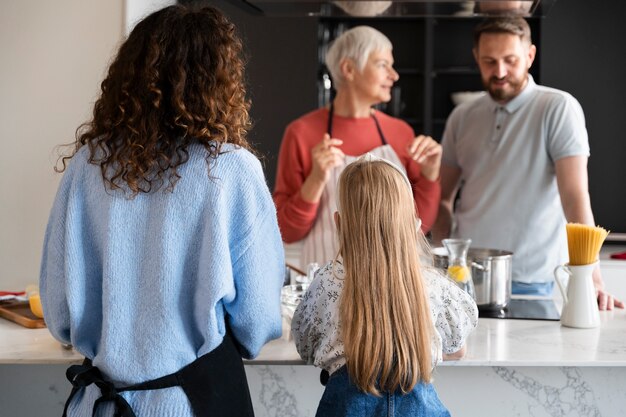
{"x":584,"y":242}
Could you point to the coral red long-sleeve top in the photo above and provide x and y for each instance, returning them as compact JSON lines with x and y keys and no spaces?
{"x":295,"y":215}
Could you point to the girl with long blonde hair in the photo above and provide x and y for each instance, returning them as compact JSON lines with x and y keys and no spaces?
{"x":376,"y":319}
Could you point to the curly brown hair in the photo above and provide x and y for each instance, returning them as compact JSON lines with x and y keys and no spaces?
{"x":177,"y":80}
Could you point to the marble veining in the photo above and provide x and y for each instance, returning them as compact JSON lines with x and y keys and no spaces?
{"x":274,"y":396}
{"x":572,"y":399}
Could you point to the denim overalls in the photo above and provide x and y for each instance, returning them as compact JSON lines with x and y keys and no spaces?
{"x":343,"y":399}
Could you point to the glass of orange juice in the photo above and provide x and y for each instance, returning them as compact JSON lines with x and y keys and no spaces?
{"x":34,"y":300}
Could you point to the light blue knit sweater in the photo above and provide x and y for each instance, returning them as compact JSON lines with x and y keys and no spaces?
{"x":143,"y":286}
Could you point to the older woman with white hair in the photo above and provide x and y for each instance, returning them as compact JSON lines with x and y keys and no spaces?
{"x":317,"y":146}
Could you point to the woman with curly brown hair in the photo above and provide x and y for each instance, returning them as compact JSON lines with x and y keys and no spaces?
{"x":162,"y":260}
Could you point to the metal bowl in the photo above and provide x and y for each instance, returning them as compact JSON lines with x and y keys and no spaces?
{"x":491,"y":274}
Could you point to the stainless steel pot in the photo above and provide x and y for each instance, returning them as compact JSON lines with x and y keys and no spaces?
{"x":491,"y":273}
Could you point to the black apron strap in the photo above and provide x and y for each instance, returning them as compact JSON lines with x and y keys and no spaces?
{"x":380,"y":131}
{"x":86,"y":374}
{"x":215,"y":384}
{"x":329,"y":126}
{"x":72,"y":374}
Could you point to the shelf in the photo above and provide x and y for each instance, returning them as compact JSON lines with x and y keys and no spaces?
{"x":474,"y":19}
{"x":409,"y":71}
{"x":413,"y":121}
{"x":455,"y":71}
{"x":369,"y":19}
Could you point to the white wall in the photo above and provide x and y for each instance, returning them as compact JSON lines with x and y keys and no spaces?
{"x":135,"y":10}
{"x":53,"y":56}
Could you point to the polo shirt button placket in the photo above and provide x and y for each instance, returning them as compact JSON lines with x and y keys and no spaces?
{"x":499,"y":121}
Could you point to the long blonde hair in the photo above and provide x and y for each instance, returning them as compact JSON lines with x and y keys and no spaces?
{"x":384,"y":311}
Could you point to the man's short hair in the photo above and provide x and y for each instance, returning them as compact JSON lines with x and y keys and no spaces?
{"x":513,"y":25}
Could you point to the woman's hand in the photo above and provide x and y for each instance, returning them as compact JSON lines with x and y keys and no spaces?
{"x":427,"y":152}
{"x":325,"y":156}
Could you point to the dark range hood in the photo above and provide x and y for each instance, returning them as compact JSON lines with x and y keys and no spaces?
{"x":395,"y":8}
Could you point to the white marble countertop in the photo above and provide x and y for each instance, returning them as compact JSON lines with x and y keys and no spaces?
{"x":495,"y":342}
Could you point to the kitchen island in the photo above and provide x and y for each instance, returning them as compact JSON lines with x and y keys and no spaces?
{"x":512,"y":368}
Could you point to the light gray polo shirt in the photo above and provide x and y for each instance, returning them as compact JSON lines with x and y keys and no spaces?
{"x":509,"y":198}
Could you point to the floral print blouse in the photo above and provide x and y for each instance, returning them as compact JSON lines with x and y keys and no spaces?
{"x":317,"y":331}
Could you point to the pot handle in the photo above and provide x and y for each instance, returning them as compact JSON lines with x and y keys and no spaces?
{"x":559,"y":282}
{"x":481,"y":267}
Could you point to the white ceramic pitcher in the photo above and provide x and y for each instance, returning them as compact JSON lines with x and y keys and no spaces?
{"x":580,"y":304}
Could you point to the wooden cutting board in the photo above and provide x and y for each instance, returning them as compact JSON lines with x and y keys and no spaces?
{"x":19,"y":312}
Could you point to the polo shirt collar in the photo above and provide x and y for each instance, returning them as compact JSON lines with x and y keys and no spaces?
{"x":521,"y":99}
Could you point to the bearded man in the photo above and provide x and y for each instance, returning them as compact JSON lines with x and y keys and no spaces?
{"x":519,"y":156}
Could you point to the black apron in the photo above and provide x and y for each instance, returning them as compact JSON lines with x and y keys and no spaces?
{"x":215,"y":384}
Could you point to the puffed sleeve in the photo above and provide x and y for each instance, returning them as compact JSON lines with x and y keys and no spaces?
{"x":306,"y":334}
{"x":310,"y":323}
{"x":454,"y":311}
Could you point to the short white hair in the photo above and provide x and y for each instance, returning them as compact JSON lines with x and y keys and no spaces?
{"x":356,"y":44}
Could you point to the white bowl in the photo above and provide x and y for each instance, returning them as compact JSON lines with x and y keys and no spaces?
{"x":465,"y":96}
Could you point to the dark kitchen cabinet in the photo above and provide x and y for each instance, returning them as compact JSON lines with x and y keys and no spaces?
{"x":586,"y":60}
{"x":433,"y":57}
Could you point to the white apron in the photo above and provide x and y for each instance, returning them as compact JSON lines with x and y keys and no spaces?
{"x":320,"y":244}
